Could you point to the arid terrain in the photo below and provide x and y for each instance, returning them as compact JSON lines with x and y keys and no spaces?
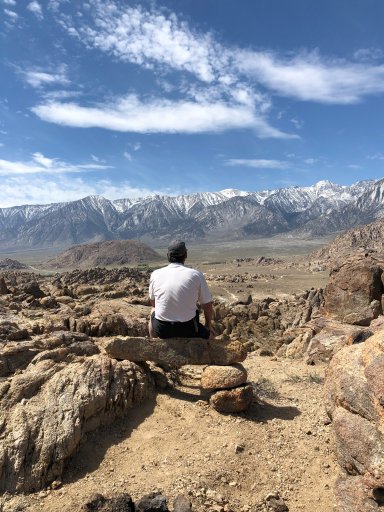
{"x":278,"y":456}
{"x":179,"y":444}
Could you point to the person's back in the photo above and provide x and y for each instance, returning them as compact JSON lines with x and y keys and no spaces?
{"x":174,"y":292}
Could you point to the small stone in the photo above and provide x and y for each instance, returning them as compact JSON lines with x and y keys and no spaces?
{"x":232,"y":400}
{"x":223,"y":377}
{"x":239,"y":448}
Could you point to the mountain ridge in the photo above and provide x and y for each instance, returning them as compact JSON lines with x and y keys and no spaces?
{"x":322,"y":209}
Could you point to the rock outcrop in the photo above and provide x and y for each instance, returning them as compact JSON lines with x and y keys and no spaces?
{"x":355,"y":289}
{"x":354,"y":397}
{"x":47,"y":409}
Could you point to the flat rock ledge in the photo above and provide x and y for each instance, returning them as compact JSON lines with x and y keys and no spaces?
{"x":176,"y":352}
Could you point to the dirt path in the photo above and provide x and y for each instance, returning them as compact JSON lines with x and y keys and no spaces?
{"x":179,"y":444}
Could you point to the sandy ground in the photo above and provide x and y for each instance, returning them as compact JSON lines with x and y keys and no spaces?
{"x":178,"y":444}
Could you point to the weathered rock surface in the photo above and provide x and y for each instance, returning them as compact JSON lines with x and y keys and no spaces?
{"x":354,"y":397}
{"x":232,"y":400}
{"x":223,"y":377}
{"x":355,"y":290}
{"x":352,"y":495}
{"x":360,"y":241}
{"x":47,"y":409}
{"x":176,"y":352}
{"x":331,"y":338}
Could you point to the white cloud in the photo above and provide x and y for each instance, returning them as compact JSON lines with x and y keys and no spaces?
{"x":9,"y":2}
{"x":149,"y":38}
{"x":310,"y":161}
{"x":154,"y":38}
{"x":308,"y":77}
{"x":43,"y":160}
{"x":43,"y":165}
{"x":129,"y":114}
{"x":35,"y":7}
{"x":354,"y":166}
{"x":38,"y":78}
{"x":257,"y":163}
{"x":12,"y":14}
{"x":136,"y":146}
{"x":19,"y":190}
{"x":127,"y":155}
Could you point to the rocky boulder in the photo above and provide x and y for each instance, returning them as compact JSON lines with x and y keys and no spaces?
{"x":354,"y":292}
{"x":47,"y":409}
{"x":223,"y":377}
{"x":354,"y":397}
{"x":232,"y":400}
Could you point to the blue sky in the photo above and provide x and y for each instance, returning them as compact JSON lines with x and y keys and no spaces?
{"x":127,"y":99}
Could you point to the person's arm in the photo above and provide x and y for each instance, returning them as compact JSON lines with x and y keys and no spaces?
{"x":208,"y":314}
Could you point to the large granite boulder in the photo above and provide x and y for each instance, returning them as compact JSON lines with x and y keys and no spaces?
{"x":354,"y":398}
{"x":354,"y":292}
{"x":46,"y":410}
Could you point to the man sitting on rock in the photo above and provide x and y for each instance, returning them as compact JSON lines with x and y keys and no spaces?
{"x":174,"y":292}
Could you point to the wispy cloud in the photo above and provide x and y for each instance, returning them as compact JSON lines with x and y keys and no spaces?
{"x":40,"y":164}
{"x":36,"y":8}
{"x":257,"y":163}
{"x":9,"y":2}
{"x":130,"y":114}
{"x":368,"y":54}
{"x":376,"y":156}
{"x":40,"y":78}
{"x":224,"y":84}
{"x":12,"y":14}
{"x":310,"y":77}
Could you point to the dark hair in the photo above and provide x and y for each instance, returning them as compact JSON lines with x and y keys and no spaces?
{"x":177,"y":258}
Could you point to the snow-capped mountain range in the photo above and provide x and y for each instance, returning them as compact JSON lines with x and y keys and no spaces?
{"x":319,"y":210}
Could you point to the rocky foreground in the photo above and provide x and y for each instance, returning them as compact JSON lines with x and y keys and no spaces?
{"x":60,"y":380}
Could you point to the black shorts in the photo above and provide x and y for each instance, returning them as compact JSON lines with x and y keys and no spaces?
{"x":191,"y":329}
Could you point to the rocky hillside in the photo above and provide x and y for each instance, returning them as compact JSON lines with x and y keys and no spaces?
{"x":367,"y":238}
{"x":319,"y":210}
{"x":10,"y":264}
{"x":101,"y":254}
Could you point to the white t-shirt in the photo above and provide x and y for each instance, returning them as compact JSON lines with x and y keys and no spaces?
{"x":176,"y":289}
